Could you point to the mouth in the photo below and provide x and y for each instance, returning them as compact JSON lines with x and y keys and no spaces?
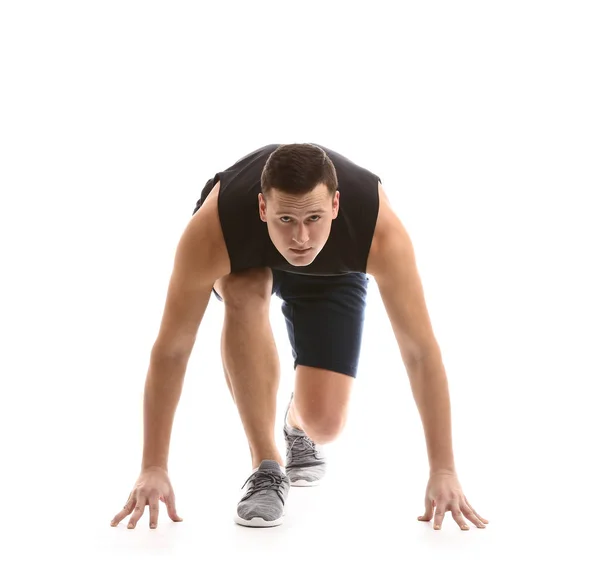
{"x":303,"y":251}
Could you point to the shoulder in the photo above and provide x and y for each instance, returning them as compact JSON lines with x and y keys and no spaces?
{"x":390,"y":238}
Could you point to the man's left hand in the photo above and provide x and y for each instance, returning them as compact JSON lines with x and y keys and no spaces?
{"x":445,"y":494}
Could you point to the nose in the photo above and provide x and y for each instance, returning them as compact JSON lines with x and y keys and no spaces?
{"x":302,"y":236}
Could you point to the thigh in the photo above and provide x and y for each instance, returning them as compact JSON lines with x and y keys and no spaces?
{"x":237,"y":288}
{"x":325,"y":317}
{"x":322,"y":397}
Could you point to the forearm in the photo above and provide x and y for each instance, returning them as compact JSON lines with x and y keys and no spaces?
{"x":431,"y":393}
{"x":164,"y":384}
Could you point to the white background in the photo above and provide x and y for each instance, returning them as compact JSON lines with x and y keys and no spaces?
{"x":482,"y":120}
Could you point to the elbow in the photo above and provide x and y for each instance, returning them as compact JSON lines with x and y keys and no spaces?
{"x":178,"y":351}
{"x":423,"y":353}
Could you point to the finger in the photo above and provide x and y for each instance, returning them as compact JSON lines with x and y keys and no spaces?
{"x":440,"y":511}
{"x":471,"y":515}
{"x":476,"y":514}
{"x":170,"y":503}
{"x":458,"y":516}
{"x":428,"y":510}
{"x":138,"y":511}
{"x":127,"y":509}
{"x":153,"y":502}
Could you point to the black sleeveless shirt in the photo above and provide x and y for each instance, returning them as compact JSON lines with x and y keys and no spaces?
{"x":246,"y":235}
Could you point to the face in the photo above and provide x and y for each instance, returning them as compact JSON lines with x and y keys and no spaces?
{"x":299,"y":225}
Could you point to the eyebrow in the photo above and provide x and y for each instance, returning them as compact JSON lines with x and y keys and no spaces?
{"x":284,"y":213}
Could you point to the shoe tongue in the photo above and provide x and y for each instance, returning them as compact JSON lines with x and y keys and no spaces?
{"x":271,"y":465}
{"x":292,"y":431}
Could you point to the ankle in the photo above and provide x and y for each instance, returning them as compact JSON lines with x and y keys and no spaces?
{"x":266,"y":455}
{"x":291,"y":421}
{"x":256,"y":464}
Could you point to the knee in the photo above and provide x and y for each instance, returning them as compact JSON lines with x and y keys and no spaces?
{"x":322,"y":427}
{"x":249,"y":287}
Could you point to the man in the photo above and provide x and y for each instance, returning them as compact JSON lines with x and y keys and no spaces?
{"x":308,"y":224}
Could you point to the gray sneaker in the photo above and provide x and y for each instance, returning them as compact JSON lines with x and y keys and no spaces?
{"x":263,"y":502}
{"x":304,"y":460}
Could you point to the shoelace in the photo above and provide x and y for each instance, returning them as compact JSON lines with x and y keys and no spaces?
{"x":302,"y":448}
{"x":264,"y":479}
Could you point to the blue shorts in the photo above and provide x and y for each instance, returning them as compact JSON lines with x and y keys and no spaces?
{"x":324,"y":317}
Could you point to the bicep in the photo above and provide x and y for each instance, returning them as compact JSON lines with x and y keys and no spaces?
{"x":200,"y":259}
{"x":395,"y":270}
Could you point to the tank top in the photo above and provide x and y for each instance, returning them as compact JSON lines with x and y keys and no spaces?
{"x":247,"y":238}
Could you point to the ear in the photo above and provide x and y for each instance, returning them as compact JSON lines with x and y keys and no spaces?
{"x":262,"y":207}
{"x":336,"y":204}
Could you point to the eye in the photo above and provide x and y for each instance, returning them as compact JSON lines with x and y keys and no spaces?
{"x":316,"y":217}
{"x":285,"y":219}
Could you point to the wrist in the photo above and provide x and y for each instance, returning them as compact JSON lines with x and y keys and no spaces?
{"x":156,"y":467}
{"x":446,"y":470}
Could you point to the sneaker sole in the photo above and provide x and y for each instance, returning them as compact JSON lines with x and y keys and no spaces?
{"x":258,"y":522}
{"x":305,"y":483}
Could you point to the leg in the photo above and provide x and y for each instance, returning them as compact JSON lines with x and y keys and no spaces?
{"x":250,"y":358}
{"x":320,"y":403}
{"x":324,"y":317}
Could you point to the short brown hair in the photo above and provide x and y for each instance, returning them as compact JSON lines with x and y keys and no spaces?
{"x":297,"y":168}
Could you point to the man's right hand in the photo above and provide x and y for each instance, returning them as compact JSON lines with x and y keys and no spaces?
{"x":152,"y":486}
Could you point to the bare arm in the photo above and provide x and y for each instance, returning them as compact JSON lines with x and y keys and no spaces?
{"x":392,"y":263}
{"x":201,"y":258}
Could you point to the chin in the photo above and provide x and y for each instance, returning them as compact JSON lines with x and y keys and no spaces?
{"x":300,"y":262}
